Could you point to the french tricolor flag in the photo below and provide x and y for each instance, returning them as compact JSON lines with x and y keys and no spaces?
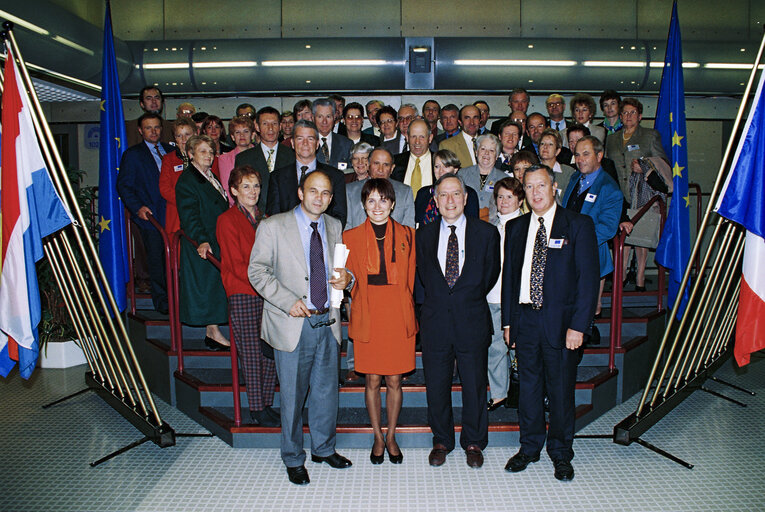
{"x":31,"y":210}
{"x":743,"y":201}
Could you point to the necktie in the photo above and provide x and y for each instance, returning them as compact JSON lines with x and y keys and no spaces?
{"x":325,"y":149}
{"x":557,"y":125}
{"x":416,"y":182}
{"x":452,"y":258}
{"x":580,"y":185}
{"x":270,"y":160}
{"x":156,"y":148}
{"x":303,"y":169}
{"x":318,"y":272}
{"x":538,"y":265}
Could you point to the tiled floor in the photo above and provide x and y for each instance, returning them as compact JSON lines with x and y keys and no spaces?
{"x":45,"y":456}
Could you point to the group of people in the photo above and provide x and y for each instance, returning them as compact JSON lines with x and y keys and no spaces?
{"x":489,"y":245}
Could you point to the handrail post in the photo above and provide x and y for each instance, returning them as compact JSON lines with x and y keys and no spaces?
{"x":171,"y":297}
{"x":131,"y":269}
{"x":235,"y":377}
{"x":697,"y":188}
{"x":176,"y":318}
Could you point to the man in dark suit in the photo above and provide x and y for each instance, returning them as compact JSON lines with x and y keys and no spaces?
{"x":269,"y":155}
{"x":518,"y":101}
{"x":335,"y":149}
{"x":415,"y":167}
{"x":556,"y":105}
{"x":150,"y":100}
{"x":450,"y":122}
{"x":536,"y":125}
{"x":283,"y":186}
{"x":509,"y":136}
{"x":457,"y":265}
{"x":138,"y":187}
{"x":549,"y":293}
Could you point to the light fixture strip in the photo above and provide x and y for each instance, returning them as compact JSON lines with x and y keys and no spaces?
{"x":307,"y":63}
{"x":72,"y":44}
{"x":514,"y":62}
{"x":23,"y":23}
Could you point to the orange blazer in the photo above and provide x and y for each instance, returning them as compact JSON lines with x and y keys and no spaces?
{"x":360,"y":241}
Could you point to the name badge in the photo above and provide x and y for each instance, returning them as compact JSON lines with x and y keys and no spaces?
{"x":590,"y":198}
{"x":178,"y":168}
{"x":489,"y":187}
{"x":633,"y":147}
{"x":555,"y":243}
{"x":341,"y":166}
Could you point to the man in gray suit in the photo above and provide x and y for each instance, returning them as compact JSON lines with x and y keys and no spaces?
{"x":289,"y":265}
{"x":334,"y":149}
{"x":380,"y":166}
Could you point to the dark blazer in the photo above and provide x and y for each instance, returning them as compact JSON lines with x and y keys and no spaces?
{"x":339,"y":152}
{"x":283,"y":186}
{"x":255,"y":159}
{"x":138,"y":183}
{"x":370,"y":138}
{"x":400,"y":163}
{"x":460,"y":315}
{"x":571,"y":281}
{"x":392,"y":145}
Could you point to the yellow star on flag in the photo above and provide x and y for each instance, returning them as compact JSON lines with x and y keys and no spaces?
{"x":687,"y":200}
{"x":677,"y":170}
{"x":676,"y":139}
{"x":670,"y":117}
{"x":102,"y":105}
{"x":119,"y":142}
{"x":104,"y":224}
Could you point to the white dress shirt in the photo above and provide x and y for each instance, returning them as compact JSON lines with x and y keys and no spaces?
{"x":528,"y":257}
{"x":469,"y":142}
{"x":443,"y":241}
{"x":495,"y":295}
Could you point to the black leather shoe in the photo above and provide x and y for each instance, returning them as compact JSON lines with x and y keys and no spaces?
{"x":395,"y":459}
{"x":563,"y":470}
{"x":519,"y":461}
{"x":298,"y":475}
{"x":496,"y":405}
{"x":213,"y":345}
{"x":335,"y":460}
{"x":272,"y":412}
{"x":639,"y":288}
{"x":376,"y":459}
{"x":264,"y":419}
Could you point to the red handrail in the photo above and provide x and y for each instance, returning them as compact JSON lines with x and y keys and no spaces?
{"x":131,"y":284}
{"x":617,"y":293}
{"x":171,"y":298}
{"x":697,"y":193}
{"x":234,"y":357}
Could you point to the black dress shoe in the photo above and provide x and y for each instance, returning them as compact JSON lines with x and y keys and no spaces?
{"x":213,"y":345}
{"x":496,"y":405}
{"x":376,"y":459}
{"x":519,"y":461}
{"x":272,"y":412}
{"x":639,"y":288}
{"x":298,"y":475}
{"x":264,"y":419}
{"x":563,"y":470}
{"x":395,"y":459}
{"x":335,"y":460}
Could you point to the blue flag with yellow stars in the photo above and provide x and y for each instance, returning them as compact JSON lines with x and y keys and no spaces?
{"x":112,"y":245}
{"x":674,"y":248}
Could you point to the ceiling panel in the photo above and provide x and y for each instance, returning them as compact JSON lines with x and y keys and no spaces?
{"x":349,"y":18}
{"x":700,"y":20}
{"x":584,"y":18}
{"x":229,"y":19}
{"x":450,"y":18}
{"x":138,"y":20}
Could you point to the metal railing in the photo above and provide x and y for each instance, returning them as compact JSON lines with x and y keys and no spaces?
{"x":617,"y":294}
{"x":697,"y":192}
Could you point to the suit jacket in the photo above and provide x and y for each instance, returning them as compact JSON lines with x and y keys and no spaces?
{"x":471,"y":177}
{"x":403,"y":213}
{"x":563,"y":178}
{"x":370,"y":138}
{"x":571,"y":281}
{"x":400,"y":163}
{"x":423,"y":198}
{"x":644,"y":142}
{"x":279,"y":273}
{"x":283,"y":186}
{"x":605,"y":209}
{"x":393,"y":145}
{"x":340,"y":152}
{"x":254,"y":158}
{"x":459,"y":147}
{"x":138,"y":183}
{"x":134,"y":137}
{"x":459,"y":315}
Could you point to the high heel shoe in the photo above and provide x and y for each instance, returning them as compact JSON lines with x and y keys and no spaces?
{"x":395,"y":459}
{"x":213,"y":345}
{"x":376,"y":459}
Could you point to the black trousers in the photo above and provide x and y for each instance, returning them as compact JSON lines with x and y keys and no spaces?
{"x":438,"y":358}
{"x":155,"y":261}
{"x":544,"y":368}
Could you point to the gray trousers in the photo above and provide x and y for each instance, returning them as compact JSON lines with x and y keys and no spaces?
{"x":499,"y":363}
{"x":309,"y":371}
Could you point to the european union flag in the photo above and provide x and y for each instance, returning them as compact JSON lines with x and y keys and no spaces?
{"x":112,"y":245}
{"x":674,"y":248}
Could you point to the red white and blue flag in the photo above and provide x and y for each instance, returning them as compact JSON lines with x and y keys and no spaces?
{"x":31,"y":210}
{"x":743,"y":201}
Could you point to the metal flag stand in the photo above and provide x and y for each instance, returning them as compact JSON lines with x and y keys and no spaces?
{"x":114,"y":372}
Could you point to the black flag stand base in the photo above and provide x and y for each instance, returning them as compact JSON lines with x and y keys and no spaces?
{"x":162,"y":435}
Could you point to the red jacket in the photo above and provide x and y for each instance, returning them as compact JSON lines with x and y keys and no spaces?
{"x":235,"y":236}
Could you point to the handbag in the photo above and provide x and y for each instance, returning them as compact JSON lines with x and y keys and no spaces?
{"x":645,"y":232}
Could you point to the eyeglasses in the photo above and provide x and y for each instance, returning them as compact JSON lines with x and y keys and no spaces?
{"x":387,"y":121}
{"x":629,"y":113}
{"x":314,"y":322}
{"x":555,"y":104}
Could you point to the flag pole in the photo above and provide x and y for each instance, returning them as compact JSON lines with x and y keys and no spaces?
{"x":701,"y":230}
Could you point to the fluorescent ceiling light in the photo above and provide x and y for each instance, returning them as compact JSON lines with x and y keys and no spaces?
{"x":72,"y":44}
{"x":166,"y":65}
{"x":303,"y":63}
{"x":729,"y":65}
{"x":685,"y":65}
{"x":513,"y":62}
{"x":23,"y":23}
{"x":614,"y":64}
{"x":419,"y":49}
{"x":64,"y":77}
{"x":235,"y":64}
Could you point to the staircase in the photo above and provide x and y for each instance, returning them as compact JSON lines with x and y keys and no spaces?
{"x":204,"y":389}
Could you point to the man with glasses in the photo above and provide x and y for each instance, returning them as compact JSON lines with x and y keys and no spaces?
{"x":556,"y":105}
{"x":290,"y":267}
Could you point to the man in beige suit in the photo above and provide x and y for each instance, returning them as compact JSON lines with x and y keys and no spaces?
{"x":463,"y":144}
{"x":290,"y":263}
